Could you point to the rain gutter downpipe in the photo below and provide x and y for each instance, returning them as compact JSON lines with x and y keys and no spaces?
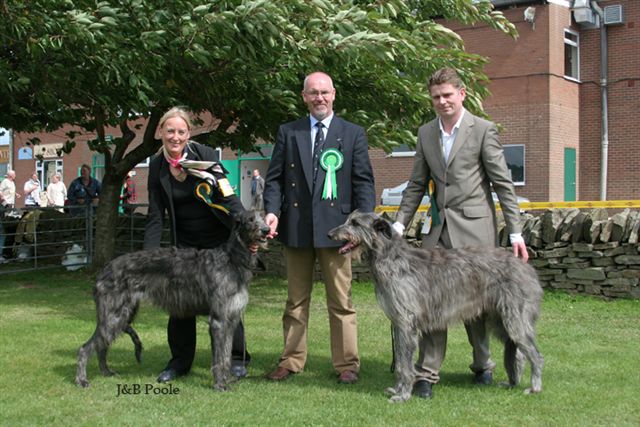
{"x":604,"y":144}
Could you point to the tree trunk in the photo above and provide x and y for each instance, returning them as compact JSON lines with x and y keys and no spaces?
{"x":106,"y":221}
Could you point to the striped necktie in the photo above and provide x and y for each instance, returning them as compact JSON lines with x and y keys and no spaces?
{"x":317,"y":149}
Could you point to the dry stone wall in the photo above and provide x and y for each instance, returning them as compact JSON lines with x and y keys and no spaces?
{"x":584,"y":252}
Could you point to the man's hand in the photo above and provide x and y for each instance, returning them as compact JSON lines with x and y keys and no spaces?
{"x":398,"y":228}
{"x":272,"y":221}
{"x":520,"y":250}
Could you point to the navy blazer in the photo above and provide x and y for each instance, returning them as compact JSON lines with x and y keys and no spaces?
{"x":304,"y":218}
{"x":161,"y":200}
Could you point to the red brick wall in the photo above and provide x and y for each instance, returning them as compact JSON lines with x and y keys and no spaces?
{"x":389,"y":171}
{"x":623,"y":106}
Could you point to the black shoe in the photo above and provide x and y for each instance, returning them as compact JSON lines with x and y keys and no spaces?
{"x":483,"y":378}
{"x":423,"y":389}
{"x":238,"y":369}
{"x":168,"y":375}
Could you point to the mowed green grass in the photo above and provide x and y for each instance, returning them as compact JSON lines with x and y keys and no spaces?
{"x":591,"y":375}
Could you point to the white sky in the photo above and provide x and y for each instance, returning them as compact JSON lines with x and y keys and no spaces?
{"x":4,"y":139}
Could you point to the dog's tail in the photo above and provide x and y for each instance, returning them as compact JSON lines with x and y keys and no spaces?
{"x":136,"y":342}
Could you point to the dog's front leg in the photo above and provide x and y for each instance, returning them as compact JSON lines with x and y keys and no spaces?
{"x":220,"y":355}
{"x":404,"y":348}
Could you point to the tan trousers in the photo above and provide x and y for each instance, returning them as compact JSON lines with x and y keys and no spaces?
{"x":433,"y":346}
{"x":336,"y":272}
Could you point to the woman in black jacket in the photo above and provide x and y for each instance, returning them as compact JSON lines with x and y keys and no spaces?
{"x":193,"y":224}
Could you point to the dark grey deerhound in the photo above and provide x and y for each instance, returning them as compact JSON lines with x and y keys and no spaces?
{"x":184,"y":282}
{"x":426,"y":290}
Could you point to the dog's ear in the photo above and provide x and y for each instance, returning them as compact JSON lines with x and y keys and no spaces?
{"x":238,"y":217}
{"x":383,"y":227}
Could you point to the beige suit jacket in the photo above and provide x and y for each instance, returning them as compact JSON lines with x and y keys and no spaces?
{"x":463,"y":191}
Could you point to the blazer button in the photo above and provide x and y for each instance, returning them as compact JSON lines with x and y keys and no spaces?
{"x":295,"y":205}
{"x":293,"y":184}
{"x":292,"y":165}
{"x":331,"y":204}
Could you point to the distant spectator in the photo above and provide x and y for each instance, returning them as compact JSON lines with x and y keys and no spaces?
{"x":8,"y":190}
{"x":32,"y":191}
{"x":56,"y":191}
{"x":257,"y":188}
{"x":128,"y":194}
{"x":83,"y":190}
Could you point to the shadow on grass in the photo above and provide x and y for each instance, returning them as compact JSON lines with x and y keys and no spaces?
{"x":375,"y":374}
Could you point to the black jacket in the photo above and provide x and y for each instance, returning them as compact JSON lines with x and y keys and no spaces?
{"x":160,"y":199}
{"x":304,"y":217}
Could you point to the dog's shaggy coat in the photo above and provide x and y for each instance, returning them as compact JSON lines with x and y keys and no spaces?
{"x":427,"y":290}
{"x":184,"y":282}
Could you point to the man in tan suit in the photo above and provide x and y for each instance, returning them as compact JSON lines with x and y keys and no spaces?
{"x":458,"y":157}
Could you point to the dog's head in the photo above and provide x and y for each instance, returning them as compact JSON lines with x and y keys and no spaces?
{"x":251,"y":228}
{"x":361,"y":232}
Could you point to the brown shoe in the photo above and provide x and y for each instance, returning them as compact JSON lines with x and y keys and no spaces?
{"x":280,"y":374}
{"x":348,"y":377}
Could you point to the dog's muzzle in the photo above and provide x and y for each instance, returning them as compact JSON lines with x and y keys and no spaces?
{"x":336,"y":234}
{"x":262,"y":239}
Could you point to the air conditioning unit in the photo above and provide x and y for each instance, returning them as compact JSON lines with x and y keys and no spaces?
{"x":613,"y":15}
{"x":584,"y":15}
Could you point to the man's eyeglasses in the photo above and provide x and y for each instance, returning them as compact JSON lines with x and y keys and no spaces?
{"x":315,"y":93}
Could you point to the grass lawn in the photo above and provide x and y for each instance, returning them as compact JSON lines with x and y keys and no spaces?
{"x":591,"y":375}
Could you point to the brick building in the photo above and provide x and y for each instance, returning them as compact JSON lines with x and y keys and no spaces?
{"x":546,"y":96}
{"x":545,"y":89}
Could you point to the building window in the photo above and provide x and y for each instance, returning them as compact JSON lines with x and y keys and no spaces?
{"x":514,"y":154}
{"x":571,"y":55}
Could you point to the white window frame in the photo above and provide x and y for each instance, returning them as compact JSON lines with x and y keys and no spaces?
{"x":40,"y":170}
{"x":573,"y":45}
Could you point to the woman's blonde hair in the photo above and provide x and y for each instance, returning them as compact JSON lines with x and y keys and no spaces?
{"x":176,"y":112}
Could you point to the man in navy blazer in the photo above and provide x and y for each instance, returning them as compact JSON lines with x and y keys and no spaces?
{"x":319,"y":173}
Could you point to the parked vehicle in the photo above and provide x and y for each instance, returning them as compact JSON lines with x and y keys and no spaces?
{"x":393,"y":196}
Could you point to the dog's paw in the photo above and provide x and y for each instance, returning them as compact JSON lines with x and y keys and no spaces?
{"x":221,"y":387}
{"x":506,"y":384}
{"x":532,"y":390}
{"x":399,"y":398}
{"x":389,"y":391}
{"x":82,"y":383}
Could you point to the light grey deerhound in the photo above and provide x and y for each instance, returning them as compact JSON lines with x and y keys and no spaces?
{"x":425,"y":290}
{"x":184,"y":282}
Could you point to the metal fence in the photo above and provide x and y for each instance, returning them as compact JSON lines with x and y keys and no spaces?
{"x":46,"y":238}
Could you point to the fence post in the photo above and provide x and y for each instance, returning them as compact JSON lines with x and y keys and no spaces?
{"x":89,"y":232}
